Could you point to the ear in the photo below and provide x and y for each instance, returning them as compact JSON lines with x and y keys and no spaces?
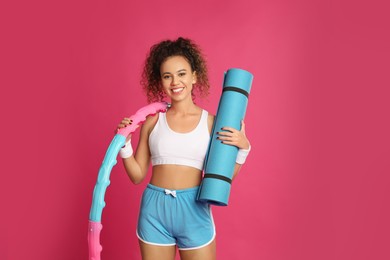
{"x":194,"y":77}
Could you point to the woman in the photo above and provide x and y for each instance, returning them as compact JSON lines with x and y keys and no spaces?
{"x":176,"y":143}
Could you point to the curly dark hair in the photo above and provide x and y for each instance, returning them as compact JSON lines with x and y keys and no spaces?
{"x":151,"y":78}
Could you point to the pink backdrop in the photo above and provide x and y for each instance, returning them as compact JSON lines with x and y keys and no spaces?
{"x":316,"y":183}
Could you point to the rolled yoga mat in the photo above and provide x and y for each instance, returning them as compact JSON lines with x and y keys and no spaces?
{"x":221,"y":158}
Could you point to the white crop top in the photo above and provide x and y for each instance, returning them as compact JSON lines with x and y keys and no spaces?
{"x":170,"y":147}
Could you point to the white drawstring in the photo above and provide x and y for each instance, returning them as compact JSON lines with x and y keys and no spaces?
{"x":170,"y":192}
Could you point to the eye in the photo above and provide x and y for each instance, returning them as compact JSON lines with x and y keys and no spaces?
{"x":182,"y":74}
{"x":166,"y":76}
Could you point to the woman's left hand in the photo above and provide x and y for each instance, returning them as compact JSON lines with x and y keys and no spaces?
{"x":232,"y":136}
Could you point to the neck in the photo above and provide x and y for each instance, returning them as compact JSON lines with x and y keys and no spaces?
{"x":183,"y":107}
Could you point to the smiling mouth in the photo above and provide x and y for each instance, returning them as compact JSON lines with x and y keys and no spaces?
{"x":177,"y":90}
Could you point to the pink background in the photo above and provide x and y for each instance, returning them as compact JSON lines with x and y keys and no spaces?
{"x":316,"y":185}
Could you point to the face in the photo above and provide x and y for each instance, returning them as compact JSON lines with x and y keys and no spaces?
{"x":177,"y":78}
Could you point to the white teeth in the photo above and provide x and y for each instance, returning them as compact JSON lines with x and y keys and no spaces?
{"x":177,"y":90}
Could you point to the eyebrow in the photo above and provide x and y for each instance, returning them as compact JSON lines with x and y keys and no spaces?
{"x":176,"y":71}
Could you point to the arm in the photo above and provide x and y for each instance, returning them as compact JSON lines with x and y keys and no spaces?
{"x":237,"y":138}
{"x":137,"y":165}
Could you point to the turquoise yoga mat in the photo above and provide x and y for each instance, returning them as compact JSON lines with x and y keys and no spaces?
{"x":221,"y":158}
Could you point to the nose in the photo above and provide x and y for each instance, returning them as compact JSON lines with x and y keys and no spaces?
{"x":175,"y":81}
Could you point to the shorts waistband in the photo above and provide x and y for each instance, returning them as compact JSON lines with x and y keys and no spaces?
{"x":156,"y":188}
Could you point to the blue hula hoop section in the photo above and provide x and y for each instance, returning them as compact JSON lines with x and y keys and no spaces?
{"x":103,"y":180}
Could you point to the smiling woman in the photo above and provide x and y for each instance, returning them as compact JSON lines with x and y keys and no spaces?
{"x":176,"y":144}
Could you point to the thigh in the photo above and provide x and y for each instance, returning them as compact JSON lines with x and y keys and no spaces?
{"x":152,"y":252}
{"x":205,"y":253}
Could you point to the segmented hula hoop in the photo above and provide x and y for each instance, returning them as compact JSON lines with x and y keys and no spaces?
{"x":103,"y":180}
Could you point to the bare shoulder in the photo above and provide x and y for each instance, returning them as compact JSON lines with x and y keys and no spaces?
{"x":210,"y":121}
{"x":149,"y":123}
{"x":210,"y":118}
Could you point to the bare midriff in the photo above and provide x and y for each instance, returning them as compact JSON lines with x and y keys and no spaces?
{"x":175,"y":177}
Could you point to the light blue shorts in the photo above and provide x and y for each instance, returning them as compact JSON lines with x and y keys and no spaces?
{"x":170,"y":218}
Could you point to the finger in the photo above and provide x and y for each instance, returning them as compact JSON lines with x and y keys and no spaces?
{"x":230,"y":129}
{"x":224,"y":138}
{"x":125,"y":124}
{"x":127,"y":121}
{"x":230,"y":138}
{"x":229,"y":142}
{"x":225,"y":133}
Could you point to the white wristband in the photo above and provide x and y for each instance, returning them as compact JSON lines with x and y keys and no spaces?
{"x":242,"y":154}
{"x":126,"y":151}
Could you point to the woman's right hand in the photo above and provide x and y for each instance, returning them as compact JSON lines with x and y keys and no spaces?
{"x":125,"y":122}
